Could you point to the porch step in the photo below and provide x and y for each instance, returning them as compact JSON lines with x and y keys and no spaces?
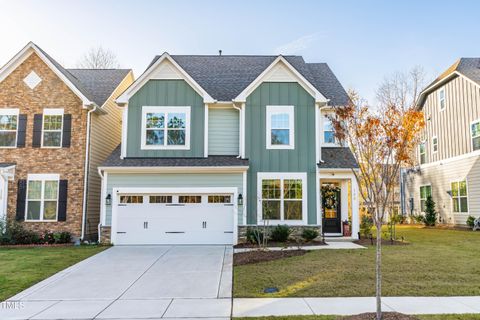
{"x":339,"y":239}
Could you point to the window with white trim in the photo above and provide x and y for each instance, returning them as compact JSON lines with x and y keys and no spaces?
{"x":328,"y":133}
{"x":280,"y":127}
{"x":459,"y":196}
{"x":422,"y":151}
{"x":441,"y":98}
{"x":425,"y":192}
{"x":435,"y":144}
{"x":8,"y":128}
{"x":42,"y":197}
{"x":475,"y":130}
{"x":166,"y":128}
{"x":282,"y":197}
{"x":52,"y":128}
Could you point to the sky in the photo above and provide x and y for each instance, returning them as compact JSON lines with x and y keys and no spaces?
{"x":363,"y":41}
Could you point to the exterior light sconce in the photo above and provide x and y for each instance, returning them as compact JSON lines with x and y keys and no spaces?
{"x":108,"y":200}
{"x":240,"y":200}
{"x":449,"y":192}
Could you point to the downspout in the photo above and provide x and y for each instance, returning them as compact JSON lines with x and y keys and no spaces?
{"x":240,"y":133}
{"x":87,"y":165}
{"x":102,"y":206}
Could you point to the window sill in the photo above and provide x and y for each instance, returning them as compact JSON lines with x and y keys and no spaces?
{"x":40,"y":220}
{"x":165,"y":148}
{"x":282,"y":222}
{"x":281,"y":147}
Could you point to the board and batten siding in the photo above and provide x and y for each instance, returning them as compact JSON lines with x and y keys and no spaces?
{"x":223,"y":131}
{"x":440,"y":177}
{"x":452,"y":125}
{"x":166,"y":93}
{"x":173,"y":180}
{"x":261,"y":159}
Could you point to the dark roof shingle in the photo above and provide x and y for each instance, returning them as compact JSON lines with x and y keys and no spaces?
{"x":338,"y":158}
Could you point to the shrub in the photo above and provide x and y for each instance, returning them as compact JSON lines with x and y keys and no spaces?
{"x":366,"y":225}
{"x":280,"y":233}
{"x":62,"y":237}
{"x":254,"y":235}
{"x":471,"y":221}
{"x":430,"y":218}
{"x":15,"y":233}
{"x":309,"y":234}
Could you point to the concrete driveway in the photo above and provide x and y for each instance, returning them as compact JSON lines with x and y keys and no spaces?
{"x":134,"y":282}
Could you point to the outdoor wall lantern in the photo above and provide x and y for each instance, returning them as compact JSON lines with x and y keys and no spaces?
{"x":449,"y":192}
{"x":108,"y":199}
{"x":240,"y":199}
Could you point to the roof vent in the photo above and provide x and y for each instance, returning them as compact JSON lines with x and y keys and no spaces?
{"x":219,"y":52}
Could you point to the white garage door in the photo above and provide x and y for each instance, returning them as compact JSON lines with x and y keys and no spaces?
{"x":174,"y":219}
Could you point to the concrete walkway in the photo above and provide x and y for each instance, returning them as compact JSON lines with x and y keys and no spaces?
{"x":258,"y":307}
{"x":330,"y":245}
{"x":134,"y":283}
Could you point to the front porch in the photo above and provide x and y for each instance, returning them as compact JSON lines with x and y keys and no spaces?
{"x":339,"y":204}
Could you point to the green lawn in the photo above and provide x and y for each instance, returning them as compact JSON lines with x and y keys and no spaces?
{"x":21,"y":268}
{"x":420,"y":317}
{"x":437,"y":262}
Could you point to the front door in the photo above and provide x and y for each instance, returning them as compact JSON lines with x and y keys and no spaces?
{"x":331,"y":208}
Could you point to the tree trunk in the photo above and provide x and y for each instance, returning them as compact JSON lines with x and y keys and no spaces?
{"x":378,"y":270}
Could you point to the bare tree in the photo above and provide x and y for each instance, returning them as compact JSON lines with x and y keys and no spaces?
{"x":401,"y":88}
{"x":98,"y":58}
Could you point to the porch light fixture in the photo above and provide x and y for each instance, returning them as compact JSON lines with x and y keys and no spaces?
{"x":449,"y":192}
{"x":108,"y":200}
{"x":240,"y":200}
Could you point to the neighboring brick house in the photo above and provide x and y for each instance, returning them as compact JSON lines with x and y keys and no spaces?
{"x":56,"y":126}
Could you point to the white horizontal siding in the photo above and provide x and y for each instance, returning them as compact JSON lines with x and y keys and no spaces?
{"x":223,"y":131}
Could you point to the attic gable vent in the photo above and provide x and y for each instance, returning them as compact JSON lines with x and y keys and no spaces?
{"x":32,"y":80}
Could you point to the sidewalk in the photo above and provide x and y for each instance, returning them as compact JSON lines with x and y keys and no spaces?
{"x":257,"y":307}
{"x":330,"y":245}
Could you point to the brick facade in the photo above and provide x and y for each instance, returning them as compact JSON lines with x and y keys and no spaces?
{"x":52,"y":92}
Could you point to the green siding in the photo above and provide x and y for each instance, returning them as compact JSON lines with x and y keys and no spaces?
{"x":149,"y":180}
{"x":223,"y":131}
{"x":166,"y":93}
{"x":300,"y":159}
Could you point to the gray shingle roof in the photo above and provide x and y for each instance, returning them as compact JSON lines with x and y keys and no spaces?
{"x":225,"y":77}
{"x":212,"y":161}
{"x":337,"y":157}
{"x":6,"y":164}
{"x":95,"y":84}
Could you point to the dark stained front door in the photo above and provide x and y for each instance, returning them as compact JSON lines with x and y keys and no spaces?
{"x":332,"y":218}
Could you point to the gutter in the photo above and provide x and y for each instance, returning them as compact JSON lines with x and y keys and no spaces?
{"x":240,"y":115}
{"x":87,"y":165}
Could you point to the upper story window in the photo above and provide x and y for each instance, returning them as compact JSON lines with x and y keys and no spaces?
{"x":166,"y":128}
{"x":459,"y":196}
{"x":8,"y":127}
{"x":42,"y":197}
{"x":280,"y":127}
{"x":328,"y":134}
{"x":52,"y":128}
{"x":475,"y":129}
{"x":435,"y":144}
{"x":441,"y":98}
{"x":425,"y":192}
{"x":422,"y":152}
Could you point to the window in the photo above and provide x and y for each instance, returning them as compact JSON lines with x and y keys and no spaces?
{"x":160,"y":199}
{"x":219,"y":199}
{"x":441,"y":98}
{"x":8,"y":127}
{"x":52,"y":128}
{"x":189,"y":199}
{"x":282,"y":198}
{"x":131,"y":199}
{"x":423,"y":153}
{"x":42,"y":197}
{"x":166,"y":128}
{"x":425,"y":192}
{"x":328,"y":134}
{"x":459,"y":196}
{"x":476,"y":135}
{"x":280,"y":127}
{"x":435,"y":144}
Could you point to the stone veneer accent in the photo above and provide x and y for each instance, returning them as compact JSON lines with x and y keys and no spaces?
{"x":51,"y":92}
{"x":296,"y":231}
{"x":105,"y":234}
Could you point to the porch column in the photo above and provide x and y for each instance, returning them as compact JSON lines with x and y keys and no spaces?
{"x":355,"y":209}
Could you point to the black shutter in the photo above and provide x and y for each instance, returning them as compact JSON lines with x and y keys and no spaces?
{"x":37,"y":131}
{"x":62,"y":200}
{"x":21,"y":130}
{"x":67,"y":130}
{"x":21,"y":196}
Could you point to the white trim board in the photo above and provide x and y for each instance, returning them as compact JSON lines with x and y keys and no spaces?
{"x":199,"y":169}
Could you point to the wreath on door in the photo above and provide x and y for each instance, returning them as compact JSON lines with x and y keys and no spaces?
{"x":329,"y":196}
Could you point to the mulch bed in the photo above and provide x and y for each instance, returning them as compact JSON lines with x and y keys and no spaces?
{"x":385,"y":316}
{"x":385,"y":242}
{"x":243,"y":258}
{"x":272,"y":244}
{"x":9,"y":246}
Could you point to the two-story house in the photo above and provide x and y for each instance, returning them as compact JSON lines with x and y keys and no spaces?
{"x":56,"y":126}
{"x":212,"y":144}
{"x":449,"y":155}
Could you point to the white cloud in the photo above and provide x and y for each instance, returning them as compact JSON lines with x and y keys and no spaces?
{"x":297,"y":45}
